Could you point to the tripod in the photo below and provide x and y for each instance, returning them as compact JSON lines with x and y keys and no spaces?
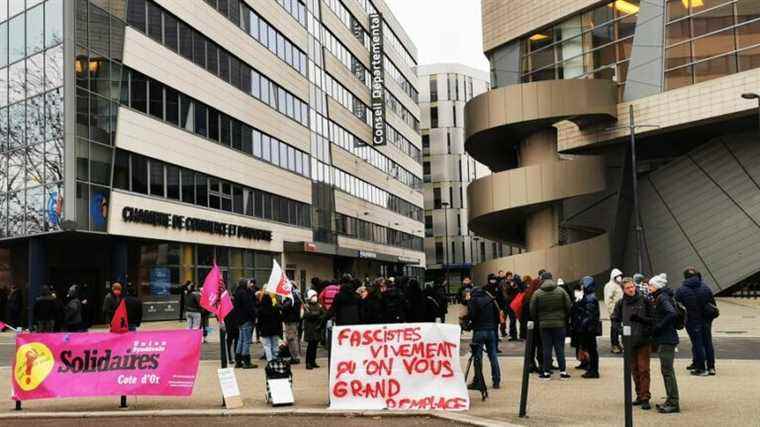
{"x":477,"y":376}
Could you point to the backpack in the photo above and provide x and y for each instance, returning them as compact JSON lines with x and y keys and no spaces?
{"x":680,"y":321}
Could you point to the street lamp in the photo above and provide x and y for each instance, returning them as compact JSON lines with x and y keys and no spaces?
{"x":446,"y":240}
{"x":752,"y":95}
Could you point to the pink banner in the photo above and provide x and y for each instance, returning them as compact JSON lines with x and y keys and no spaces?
{"x":156,"y":363}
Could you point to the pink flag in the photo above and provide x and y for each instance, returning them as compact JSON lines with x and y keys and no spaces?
{"x":278,"y":282}
{"x":214,"y":295}
{"x":3,"y":326}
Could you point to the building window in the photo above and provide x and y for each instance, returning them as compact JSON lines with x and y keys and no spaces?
{"x":428,"y":225}
{"x":439,"y":253}
{"x":426,"y":142}
{"x":433,"y":89}
{"x":436,"y":198}
{"x":433,"y":117}
{"x":426,"y":171}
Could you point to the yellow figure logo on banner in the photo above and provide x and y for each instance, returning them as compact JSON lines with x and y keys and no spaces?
{"x":34,"y":362}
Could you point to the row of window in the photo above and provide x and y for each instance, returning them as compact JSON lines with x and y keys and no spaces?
{"x":205,"y":53}
{"x":401,"y":79}
{"x":26,"y":123}
{"x":353,"y":145}
{"x":452,"y":82}
{"x":357,"y":187}
{"x":345,"y":56}
{"x":100,"y":28}
{"x":347,"y":99}
{"x":364,"y":230}
{"x":28,"y":33}
{"x":392,"y":103}
{"x":150,"y":96}
{"x":396,"y":138}
{"x":255,"y":26}
{"x":139,"y":174}
{"x":25,"y":79}
{"x":295,"y":8}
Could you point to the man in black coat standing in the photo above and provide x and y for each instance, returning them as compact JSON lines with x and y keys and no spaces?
{"x":483,"y":311}
{"x":245,"y":310}
{"x":666,"y":338}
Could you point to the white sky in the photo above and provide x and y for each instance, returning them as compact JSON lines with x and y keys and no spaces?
{"x":443,"y":30}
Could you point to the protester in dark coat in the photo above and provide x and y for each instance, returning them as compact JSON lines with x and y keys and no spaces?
{"x":270,"y":320}
{"x":589,"y":326}
{"x":14,"y":307}
{"x":345,"y":307}
{"x":111,"y":302}
{"x":537,"y":359}
{"x":636,"y":311}
{"x":695,"y":296}
{"x":313,"y":318}
{"x":415,"y":309}
{"x":373,"y":309}
{"x":72,"y":311}
{"x":666,"y":338}
{"x":134,"y":309}
{"x":551,"y":305}
{"x":432,"y":306}
{"x":443,"y":300}
{"x":46,"y":311}
{"x":232,"y":325}
{"x":245,"y":314}
{"x":291,"y":316}
{"x":395,"y":303}
{"x":483,"y":311}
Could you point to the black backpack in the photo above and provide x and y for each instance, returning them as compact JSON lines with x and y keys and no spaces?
{"x":680,"y":321}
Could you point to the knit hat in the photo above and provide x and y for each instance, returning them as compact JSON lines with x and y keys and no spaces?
{"x":546,"y":275}
{"x":311,"y":293}
{"x":659,"y":281}
{"x":638,"y":278}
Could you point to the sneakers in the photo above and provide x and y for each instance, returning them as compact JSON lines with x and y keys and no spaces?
{"x":474,"y":386}
{"x":699,"y":373}
{"x":711,"y":372}
{"x":637,"y":402}
{"x":590,"y":374}
{"x":668,"y":408}
{"x":545,"y":376}
{"x":496,"y":386}
{"x":564,"y":375}
{"x":295,"y":361}
{"x":583,"y":366}
{"x":645,"y":405}
{"x":690,"y":367}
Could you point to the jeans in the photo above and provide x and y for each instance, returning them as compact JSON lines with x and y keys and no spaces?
{"x":291,"y":336}
{"x":488,"y":338}
{"x":615,"y":334}
{"x":588,"y":343}
{"x":271,"y":347}
{"x":640,"y":371}
{"x":703,"y":353}
{"x":553,"y":338}
{"x":245,"y":333}
{"x":193,"y":320}
{"x":311,"y":352}
{"x":667,"y":354}
{"x":512,"y":323}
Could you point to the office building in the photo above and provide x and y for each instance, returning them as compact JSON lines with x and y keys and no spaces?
{"x":145,"y":140}
{"x":555,"y":130}
{"x":450,"y":247}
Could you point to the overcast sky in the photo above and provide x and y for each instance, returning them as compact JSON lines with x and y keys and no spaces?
{"x":443,"y":30}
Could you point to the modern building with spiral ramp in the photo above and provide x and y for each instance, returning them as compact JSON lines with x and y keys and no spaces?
{"x":554,"y":130}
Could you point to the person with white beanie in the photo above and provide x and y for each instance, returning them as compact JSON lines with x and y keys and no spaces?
{"x":313,"y":319}
{"x":665,"y":337}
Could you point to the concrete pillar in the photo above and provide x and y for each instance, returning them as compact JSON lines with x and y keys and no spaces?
{"x":541,"y":227}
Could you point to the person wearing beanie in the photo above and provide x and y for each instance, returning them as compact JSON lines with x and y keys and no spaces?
{"x":696,"y":296}
{"x":313,"y":318}
{"x":589,"y":326}
{"x":642,"y":286}
{"x":550,"y":307}
{"x":665,"y":338}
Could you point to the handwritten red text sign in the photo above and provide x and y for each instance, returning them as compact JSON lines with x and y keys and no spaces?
{"x":411,"y":366}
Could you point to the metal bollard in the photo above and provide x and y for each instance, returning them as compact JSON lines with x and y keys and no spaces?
{"x":627,"y":374}
{"x":223,"y":348}
{"x":526,"y":370}
{"x":18,"y":405}
{"x":123,"y":403}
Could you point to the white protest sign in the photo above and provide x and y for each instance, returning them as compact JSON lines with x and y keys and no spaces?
{"x":230,"y":389}
{"x":411,"y":366}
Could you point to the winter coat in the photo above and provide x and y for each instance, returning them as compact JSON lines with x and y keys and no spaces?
{"x":134,"y":310}
{"x":313,"y":319}
{"x":291,"y":309}
{"x":245,"y":305}
{"x":14,"y":308}
{"x":694,"y":295}
{"x":193,"y":302}
{"x":270,"y":318}
{"x":441,"y":297}
{"x":432,"y":305}
{"x":550,"y":305}
{"x":373,"y":309}
{"x":72,"y":314}
{"x":588,"y":309}
{"x":483,"y":310}
{"x":637,"y":312}
{"x":664,"y":325}
{"x":110,"y":303}
{"x":345,"y":307}
{"x":46,"y":309}
{"x":395,"y":305}
{"x":415,"y":309}
{"x":613,"y":291}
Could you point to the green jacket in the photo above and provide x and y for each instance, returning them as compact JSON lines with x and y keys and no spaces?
{"x":550,"y":306}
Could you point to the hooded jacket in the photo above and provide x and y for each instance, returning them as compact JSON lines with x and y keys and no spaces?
{"x":694,"y":295}
{"x":664,"y":326}
{"x":483,"y":310}
{"x":613,"y":292}
{"x":313,"y":317}
{"x":588,"y":308}
{"x":550,"y":305}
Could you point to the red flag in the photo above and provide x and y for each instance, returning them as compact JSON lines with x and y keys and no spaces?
{"x":119,"y":323}
{"x":214,"y":295}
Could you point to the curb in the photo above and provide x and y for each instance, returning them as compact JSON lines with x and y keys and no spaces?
{"x":457,"y":417}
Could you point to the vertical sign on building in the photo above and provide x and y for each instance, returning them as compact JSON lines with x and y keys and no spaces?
{"x":377,"y":69}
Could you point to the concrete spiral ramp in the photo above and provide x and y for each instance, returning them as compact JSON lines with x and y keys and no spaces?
{"x":510,"y":129}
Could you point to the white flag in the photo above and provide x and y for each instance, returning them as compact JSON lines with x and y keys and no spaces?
{"x":278,"y":282}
